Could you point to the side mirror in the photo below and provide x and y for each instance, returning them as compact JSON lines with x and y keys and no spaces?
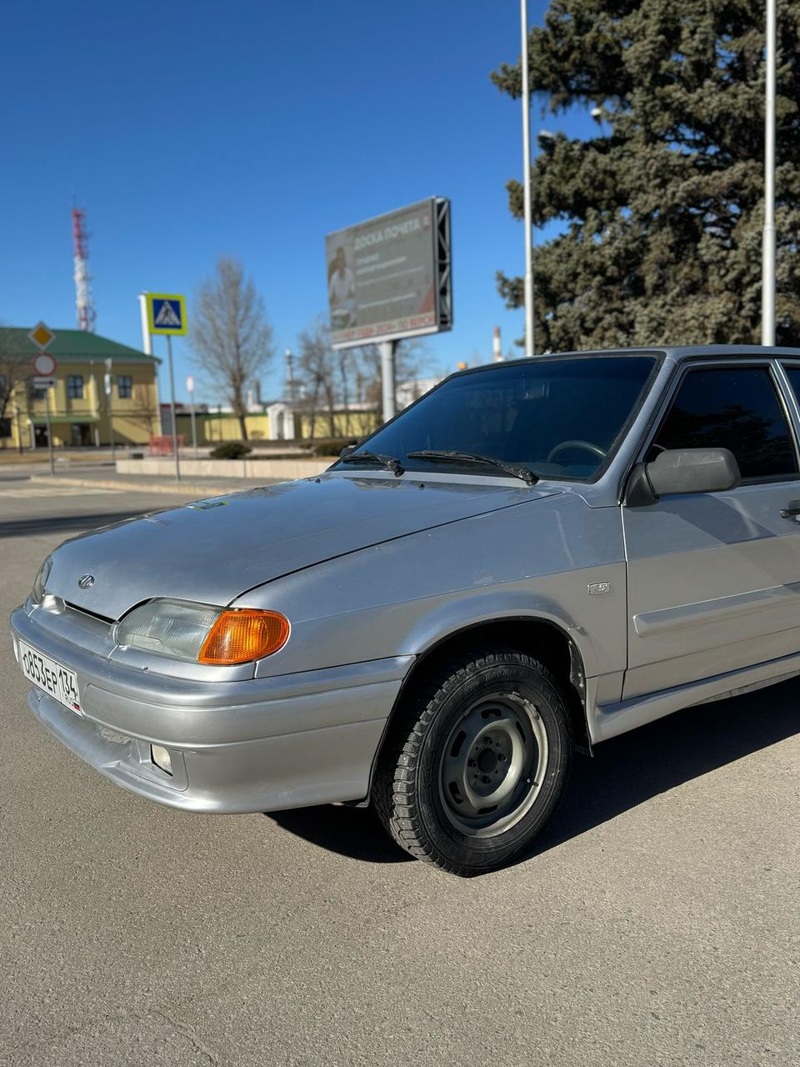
{"x":683,"y":470}
{"x":347,"y":450}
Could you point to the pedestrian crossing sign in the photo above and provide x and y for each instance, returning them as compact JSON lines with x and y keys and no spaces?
{"x":166,"y":313}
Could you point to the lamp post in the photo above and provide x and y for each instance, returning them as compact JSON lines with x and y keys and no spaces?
{"x":190,"y":391}
{"x":526,"y":162}
{"x":108,"y":385}
{"x":768,"y":246}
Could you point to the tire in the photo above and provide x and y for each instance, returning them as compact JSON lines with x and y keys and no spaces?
{"x":477,"y":762}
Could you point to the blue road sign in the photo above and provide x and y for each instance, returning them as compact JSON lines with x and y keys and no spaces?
{"x":166,"y":313}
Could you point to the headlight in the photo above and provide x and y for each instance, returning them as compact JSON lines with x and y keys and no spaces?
{"x":40,"y":581}
{"x":198,"y":633}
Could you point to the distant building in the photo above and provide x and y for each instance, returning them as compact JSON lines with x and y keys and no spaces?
{"x":413,"y":389}
{"x":101,"y":387}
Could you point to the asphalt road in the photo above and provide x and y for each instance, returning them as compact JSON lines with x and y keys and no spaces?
{"x":657,"y":923}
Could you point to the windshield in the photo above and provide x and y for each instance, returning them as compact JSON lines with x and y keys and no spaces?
{"x":558,"y":417}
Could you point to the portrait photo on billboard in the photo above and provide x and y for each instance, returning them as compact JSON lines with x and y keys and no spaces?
{"x":341,"y":290}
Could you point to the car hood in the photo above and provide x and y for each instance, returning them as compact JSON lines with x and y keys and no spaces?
{"x":213,"y":551}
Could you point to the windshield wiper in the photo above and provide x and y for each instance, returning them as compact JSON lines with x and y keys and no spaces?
{"x":389,"y":462}
{"x":449,"y":456}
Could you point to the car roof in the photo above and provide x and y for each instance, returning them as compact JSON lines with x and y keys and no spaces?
{"x":675,"y":352}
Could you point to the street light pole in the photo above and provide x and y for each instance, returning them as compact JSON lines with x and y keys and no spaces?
{"x":526,"y":162}
{"x":190,"y":391}
{"x":172,"y":419}
{"x":108,"y":385}
{"x":768,"y":263}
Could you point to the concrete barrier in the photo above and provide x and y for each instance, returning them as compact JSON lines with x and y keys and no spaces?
{"x":284,"y":469}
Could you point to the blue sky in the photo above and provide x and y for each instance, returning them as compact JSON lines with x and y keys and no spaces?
{"x":253,"y":128}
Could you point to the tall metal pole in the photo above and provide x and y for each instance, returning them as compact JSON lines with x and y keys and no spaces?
{"x":190,"y":391}
{"x":173,"y":419}
{"x":768,"y":264}
{"x":147,"y":348}
{"x":526,"y":162}
{"x":147,"y":340}
{"x":47,"y":396}
{"x":108,"y":385}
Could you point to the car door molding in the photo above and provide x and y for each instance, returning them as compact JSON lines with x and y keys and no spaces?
{"x":686,"y":616}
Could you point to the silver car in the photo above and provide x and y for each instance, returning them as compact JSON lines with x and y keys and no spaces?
{"x":536,"y":556}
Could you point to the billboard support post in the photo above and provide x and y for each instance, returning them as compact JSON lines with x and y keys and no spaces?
{"x":387,"y":351}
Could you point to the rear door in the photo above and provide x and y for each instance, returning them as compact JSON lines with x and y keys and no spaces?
{"x":714,"y":578}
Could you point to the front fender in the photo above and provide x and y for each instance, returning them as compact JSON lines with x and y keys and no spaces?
{"x":555,"y":560}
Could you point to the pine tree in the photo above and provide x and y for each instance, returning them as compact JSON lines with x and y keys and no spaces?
{"x":662,"y":210}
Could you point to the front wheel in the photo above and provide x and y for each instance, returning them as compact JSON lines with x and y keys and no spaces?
{"x":477,"y":764}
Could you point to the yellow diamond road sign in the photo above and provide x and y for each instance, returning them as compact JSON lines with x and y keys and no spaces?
{"x":166,"y":313}
{"x":41,"y":335}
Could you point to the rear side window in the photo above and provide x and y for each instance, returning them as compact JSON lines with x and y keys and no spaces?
{"x":734,"y":408}
{"x":793,"y":374}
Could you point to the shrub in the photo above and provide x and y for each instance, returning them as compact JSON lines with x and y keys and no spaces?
{"x":230,"y":450}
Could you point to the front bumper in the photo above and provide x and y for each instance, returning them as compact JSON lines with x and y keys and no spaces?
{"x":256,"y":744}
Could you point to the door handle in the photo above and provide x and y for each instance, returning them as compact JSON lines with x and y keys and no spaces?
{"x":792,"y":510}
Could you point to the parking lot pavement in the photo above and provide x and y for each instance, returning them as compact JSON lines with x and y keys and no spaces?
{"x":656,"y":924}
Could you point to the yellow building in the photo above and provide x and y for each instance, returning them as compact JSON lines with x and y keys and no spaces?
{"x":101,"y":388}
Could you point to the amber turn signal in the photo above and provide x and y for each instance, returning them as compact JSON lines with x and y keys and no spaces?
{"x":242,"y":636}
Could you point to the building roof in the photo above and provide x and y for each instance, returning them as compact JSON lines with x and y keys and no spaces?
{"x":72,"y":346}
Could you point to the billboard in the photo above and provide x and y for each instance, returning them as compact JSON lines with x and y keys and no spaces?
{"x":390,"y":277}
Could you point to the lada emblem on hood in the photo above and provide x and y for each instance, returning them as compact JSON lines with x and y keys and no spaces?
{"x":86,"y":581}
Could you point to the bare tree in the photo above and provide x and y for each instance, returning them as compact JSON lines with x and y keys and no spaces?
{"x":231,"y":336}
{"x":332,"y":380}
{"x":317,"y":367}
{"x":15,"y":368}
{"x":344,"y":362}
{"x":143,"y":412}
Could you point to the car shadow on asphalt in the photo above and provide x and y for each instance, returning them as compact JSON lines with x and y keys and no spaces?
{"x":81,"y":522}
{"x":634,"y":768}
{"x":353,"y":832}
{"x":622,"y":774}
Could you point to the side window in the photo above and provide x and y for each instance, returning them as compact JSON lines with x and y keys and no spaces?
{"x":734,"y":408}
{"x":793,"y":374}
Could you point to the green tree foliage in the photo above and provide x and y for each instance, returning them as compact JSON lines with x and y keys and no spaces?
{"x":662,"y":210}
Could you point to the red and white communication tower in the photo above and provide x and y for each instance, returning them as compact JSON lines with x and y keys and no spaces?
{"x":83,"y":281}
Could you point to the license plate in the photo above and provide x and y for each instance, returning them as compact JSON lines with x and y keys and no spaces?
{"x":52,"y":677}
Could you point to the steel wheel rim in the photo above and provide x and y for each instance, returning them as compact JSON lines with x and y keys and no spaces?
{"x":493,"y":765}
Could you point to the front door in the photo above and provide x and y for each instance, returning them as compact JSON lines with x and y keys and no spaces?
{"x":714,"y":578}
{"x":80,"y":434}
